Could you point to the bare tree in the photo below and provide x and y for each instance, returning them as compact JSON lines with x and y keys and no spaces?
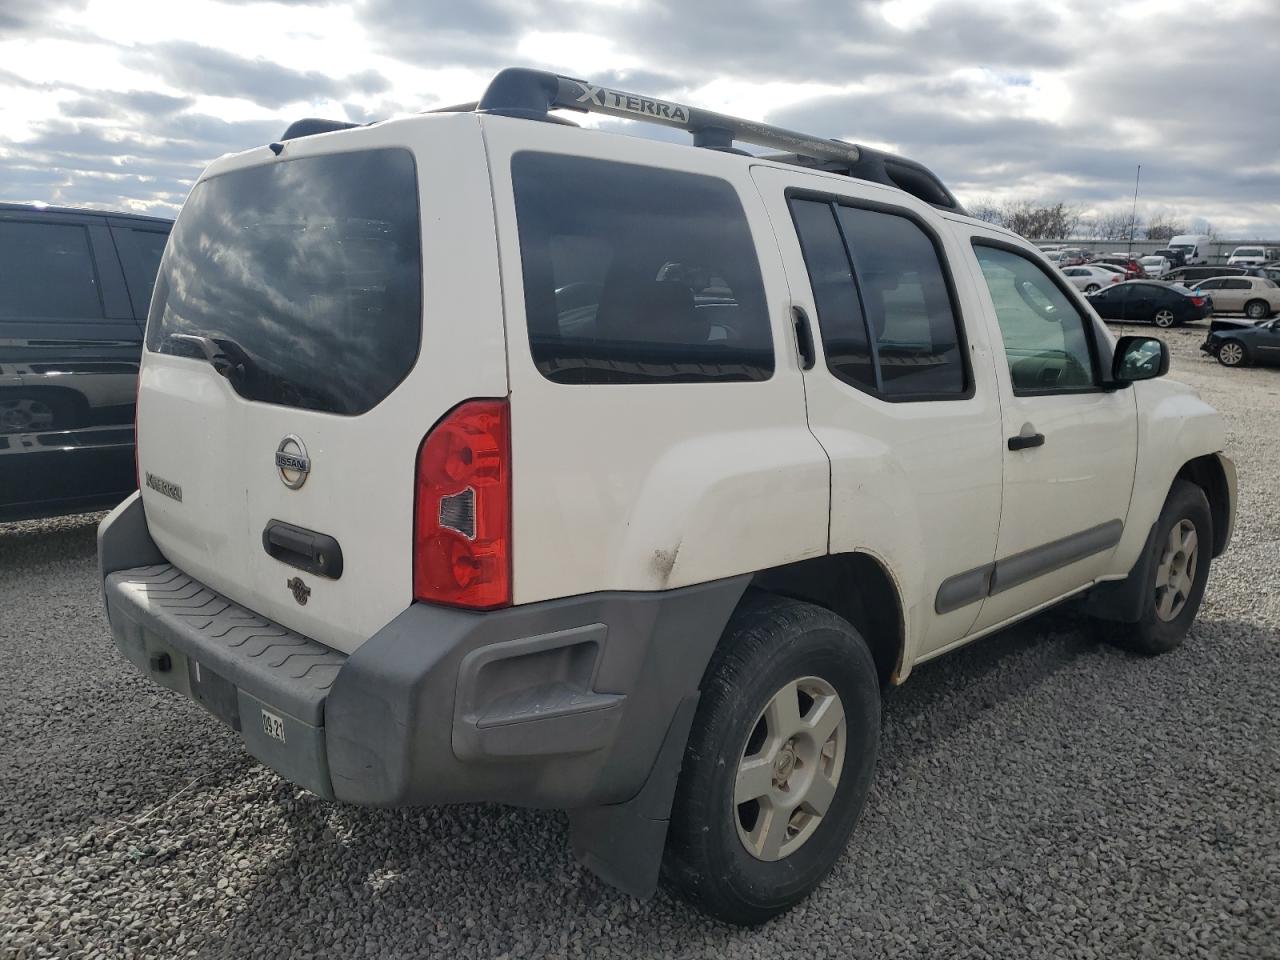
{"x":1057,"y":221}
{"x":1115,"y":226}
{"x":985,"y":210}
{"x":1163,"y":226}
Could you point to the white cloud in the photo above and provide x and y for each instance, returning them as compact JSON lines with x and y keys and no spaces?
{"x":120,"y":102}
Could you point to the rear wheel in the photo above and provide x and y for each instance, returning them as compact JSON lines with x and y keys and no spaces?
{"x":1092,"y":288}
{"x":1163,"y":317}
{"x":1257,"y":309}
{"x":779,"y":762}
{"x":1231,"y":354}
{"x":1178,"y":571}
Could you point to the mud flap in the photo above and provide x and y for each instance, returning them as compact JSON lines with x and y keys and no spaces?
{"x":622,"y":843}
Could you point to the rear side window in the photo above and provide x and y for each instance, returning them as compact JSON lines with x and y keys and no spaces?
{"x":47,"y":272}
{"x":305,"y":275}
{"x":635,"y":274}
{"x":1236,"y":285}
{"x":884,"y":304}
{"x":140,"y":252}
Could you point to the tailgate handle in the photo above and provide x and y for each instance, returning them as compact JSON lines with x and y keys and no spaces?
{"x":307,"y":550}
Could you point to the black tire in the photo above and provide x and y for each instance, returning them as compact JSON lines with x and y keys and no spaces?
{"x":1092,"y":288}
{"x":1153,"y":633}
{"x":1257,"y":310}
{"x":769,"y":642}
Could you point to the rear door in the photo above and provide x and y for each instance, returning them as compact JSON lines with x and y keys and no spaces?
{"x":901,"y":392}
{"x":1231,"y":294}
{"x":1139,"y":303}
{"x":348,"y":291}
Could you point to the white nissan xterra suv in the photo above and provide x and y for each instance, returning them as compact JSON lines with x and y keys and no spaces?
{"x":488,"y":458}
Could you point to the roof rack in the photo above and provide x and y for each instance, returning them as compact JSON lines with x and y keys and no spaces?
{"x":531,"y":94}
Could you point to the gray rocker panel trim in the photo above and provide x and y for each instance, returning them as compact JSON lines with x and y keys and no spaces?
{"x":1013,"y":571}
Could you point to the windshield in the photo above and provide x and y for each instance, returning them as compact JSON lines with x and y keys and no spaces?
{"x":1152,"y":260}
{"x":1248,"y":251}
{"x":303,"y":276}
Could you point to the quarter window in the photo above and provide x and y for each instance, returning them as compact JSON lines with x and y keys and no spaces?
{"x":636,"y":274}
{"x":46,"y":272}
{"x":884,"y":307}
{"x":1045,"y":336}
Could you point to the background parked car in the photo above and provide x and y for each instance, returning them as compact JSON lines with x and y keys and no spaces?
{"x":1138,"y":301}
{"x":1120,"y":272}
{"x":1155,"y":266}
{"x":1256,"y":297}
{"x":1237,"y":344}
{"x":1176,"y":258}
{"x":74,"y":290}
{"x":1091,"y":279}
{"x":1190,"y":276}
{"x":1250,"y":256}
{"x":1132,"y":269}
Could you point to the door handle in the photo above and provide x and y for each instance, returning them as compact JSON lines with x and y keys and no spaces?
{"x":1026,"y":440}
{"x":804,"y":338}
{"x":307,"y":550}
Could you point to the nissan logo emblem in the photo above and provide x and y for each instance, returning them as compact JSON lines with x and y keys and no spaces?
{"x":292,"y":461}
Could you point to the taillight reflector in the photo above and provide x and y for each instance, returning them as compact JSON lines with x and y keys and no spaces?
{"x":462,"y":508}
{"x":1197,"y":301}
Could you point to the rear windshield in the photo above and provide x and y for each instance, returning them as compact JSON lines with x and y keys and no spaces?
{"x":301,"y":280}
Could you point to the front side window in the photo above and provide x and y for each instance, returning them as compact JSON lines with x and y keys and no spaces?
{"x":47,"y":272}
{"x":884,"y":306}
{"x":1045,"y":336}
{"x":637,"y":274}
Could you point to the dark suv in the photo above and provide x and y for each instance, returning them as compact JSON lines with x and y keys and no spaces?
{"x":74,"y":291}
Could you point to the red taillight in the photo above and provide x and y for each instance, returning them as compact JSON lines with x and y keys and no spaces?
{"x":462,"y":508}
{"x":1197,"y":301}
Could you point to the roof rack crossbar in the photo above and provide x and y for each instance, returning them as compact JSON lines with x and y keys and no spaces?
{"x":520,"y":92}
{"x":531,"y":94}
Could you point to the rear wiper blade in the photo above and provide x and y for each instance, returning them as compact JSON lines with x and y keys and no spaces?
{"x":225,"y":355}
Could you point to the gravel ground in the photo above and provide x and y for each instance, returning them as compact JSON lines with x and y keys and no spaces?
{"x":1038,"y":795}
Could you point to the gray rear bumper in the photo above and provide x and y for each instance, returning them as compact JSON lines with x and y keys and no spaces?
{"x":566,"y":703}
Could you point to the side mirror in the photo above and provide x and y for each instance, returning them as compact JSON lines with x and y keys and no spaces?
{"x":1139,"y":358}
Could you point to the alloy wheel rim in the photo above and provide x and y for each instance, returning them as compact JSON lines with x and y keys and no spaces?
{"x":1164,"y":318}
{"x":1231,"y":354}
{"x":1176,"y":572}
{"x":1255,"y":311}
{"x":789,"y":768}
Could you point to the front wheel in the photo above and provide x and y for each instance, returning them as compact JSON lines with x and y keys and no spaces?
{"x":1231,"y":354}
{"x":1257,"y":310}
{"x":1163,"y":318}
{"x":779,"y":762}
{"x":1178,"y":569}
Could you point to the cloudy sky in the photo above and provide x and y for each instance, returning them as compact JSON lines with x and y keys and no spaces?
{"x":119,"y":103}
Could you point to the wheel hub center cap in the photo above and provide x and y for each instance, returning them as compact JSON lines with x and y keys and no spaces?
{"x":784,"y":765}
